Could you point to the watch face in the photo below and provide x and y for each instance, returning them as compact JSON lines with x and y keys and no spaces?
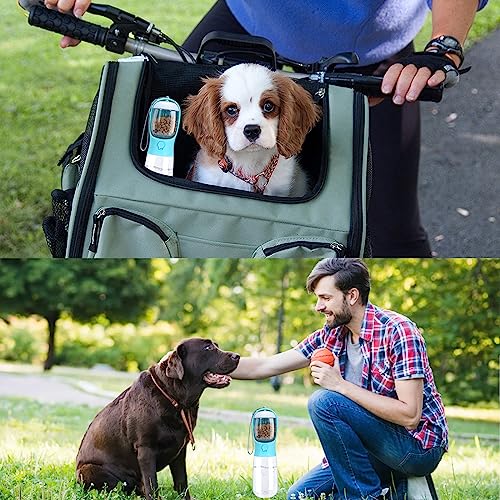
{"x":450,"y":42}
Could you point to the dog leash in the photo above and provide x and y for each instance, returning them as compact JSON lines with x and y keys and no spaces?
{"x":186,"y":419}
{"x":226,"y":166}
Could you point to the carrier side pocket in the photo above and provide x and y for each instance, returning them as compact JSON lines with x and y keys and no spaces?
{"x":55,"y":226}
{"x":300,"y":247}
{"x":117,"y":232}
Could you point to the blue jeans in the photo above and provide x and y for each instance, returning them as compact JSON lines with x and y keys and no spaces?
{"x":366,"y":454}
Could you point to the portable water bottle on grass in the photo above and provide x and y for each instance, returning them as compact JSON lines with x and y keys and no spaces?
{"x":163,"y":124}
{"x":264,"y":425}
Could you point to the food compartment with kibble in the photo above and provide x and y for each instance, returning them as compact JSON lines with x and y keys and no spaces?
{"x":164,"y":118}
{"x":264,"y":429}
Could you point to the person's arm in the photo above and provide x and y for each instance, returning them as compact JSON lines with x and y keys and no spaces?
{"x":258,"y":368}
{"x":453,"y":17}
{"x":449,"y":17}
{"x":405,"y":411}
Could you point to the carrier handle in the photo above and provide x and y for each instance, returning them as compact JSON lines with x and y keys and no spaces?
{"x":254,"y":47}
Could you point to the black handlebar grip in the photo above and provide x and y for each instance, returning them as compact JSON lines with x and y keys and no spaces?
{"x":432,"y":94}
{"x":371,"y":86}
{"x":66,"y":24}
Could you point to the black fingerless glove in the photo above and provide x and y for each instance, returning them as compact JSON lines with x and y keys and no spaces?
{"x":436,"y":62}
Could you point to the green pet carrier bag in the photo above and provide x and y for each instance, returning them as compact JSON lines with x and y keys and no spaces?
{"x":110,"y":205}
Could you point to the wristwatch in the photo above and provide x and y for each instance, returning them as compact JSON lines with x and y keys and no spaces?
{"x":446,"y":44}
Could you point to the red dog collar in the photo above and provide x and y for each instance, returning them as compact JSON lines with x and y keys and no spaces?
{"x":226,"y":165}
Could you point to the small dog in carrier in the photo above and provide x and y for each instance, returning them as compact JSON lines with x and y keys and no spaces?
{"x":250,"y":124}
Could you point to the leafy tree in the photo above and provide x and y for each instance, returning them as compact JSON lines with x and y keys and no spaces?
{"x":239,"y":302}
{"x":455,"y":303}
{"x":108,"y":290}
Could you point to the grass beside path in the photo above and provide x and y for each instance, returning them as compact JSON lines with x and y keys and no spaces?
{"x":45,"y":98}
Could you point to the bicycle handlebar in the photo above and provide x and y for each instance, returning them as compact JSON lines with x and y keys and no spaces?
{"x":66,"y":24}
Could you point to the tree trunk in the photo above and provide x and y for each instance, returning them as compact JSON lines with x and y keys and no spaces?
{"x":281,"y":310}
{"x":276,"y":380}
{"x":51,"y":321}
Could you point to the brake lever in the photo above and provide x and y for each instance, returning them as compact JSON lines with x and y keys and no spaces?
{"x":127,"y":23}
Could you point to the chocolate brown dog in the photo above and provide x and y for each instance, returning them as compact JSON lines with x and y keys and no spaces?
{"x":148,"y":426}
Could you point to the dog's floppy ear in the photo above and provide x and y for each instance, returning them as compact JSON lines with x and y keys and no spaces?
{"x":298,"y":115}
{"x":202,"y":118}
{"x":171,"y":363}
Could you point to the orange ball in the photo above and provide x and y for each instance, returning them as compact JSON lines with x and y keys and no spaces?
{"x":323,"y":354}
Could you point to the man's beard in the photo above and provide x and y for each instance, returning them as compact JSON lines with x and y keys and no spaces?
{"x":342,"y":317}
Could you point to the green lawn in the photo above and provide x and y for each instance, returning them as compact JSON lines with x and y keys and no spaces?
{"x":39,"y":444}
{"x":45,"y":97}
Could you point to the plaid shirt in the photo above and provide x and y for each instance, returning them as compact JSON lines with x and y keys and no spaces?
{"x":392,"y":349}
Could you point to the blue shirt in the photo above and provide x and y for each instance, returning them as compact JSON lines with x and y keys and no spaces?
{"x":307,"y":30}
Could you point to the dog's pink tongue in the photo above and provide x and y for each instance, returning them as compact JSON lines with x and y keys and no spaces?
{"x":216,"y":379}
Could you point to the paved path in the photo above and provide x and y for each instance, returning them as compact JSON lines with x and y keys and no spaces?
{"x":460,"y":161}
{"x":47,"y":390}
{"x":51,"y":390}
{"x":56,"y":391}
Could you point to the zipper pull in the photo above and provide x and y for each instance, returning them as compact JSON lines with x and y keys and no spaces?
{"x":96,"y":229}
{"x":339,"y":249}
{"x":319,"y":76}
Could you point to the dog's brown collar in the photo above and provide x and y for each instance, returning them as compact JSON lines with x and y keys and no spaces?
{"x":226,"y":165}
{"x":186,"y":416}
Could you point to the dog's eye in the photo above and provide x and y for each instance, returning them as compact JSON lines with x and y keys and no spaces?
{"x":209,"y":347}
{"x":268,"y":107}
{"x":232,"y":110}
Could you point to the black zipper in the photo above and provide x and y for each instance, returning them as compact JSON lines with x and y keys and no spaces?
{"x":89,"y":182}
{"x":356,"y":229}
{"x":338,"y":248}
{"x":102,"y":213}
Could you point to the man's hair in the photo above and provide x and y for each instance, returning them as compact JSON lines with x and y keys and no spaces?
{"x":349,"y":273}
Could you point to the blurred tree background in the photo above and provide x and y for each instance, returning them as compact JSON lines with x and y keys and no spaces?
{"x":128,"y":313}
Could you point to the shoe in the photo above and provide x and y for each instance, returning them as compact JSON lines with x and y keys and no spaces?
{"x":421,"y":488}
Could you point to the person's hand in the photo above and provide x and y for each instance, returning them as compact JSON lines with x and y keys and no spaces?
{"x":326,"y":376}
{"x":76,"y":7}
{"x":407,"y":79}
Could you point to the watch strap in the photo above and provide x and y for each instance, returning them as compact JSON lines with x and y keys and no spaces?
{"x":446,"y":44}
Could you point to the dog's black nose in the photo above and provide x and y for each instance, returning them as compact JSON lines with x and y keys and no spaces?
{"x":251,"y":132}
